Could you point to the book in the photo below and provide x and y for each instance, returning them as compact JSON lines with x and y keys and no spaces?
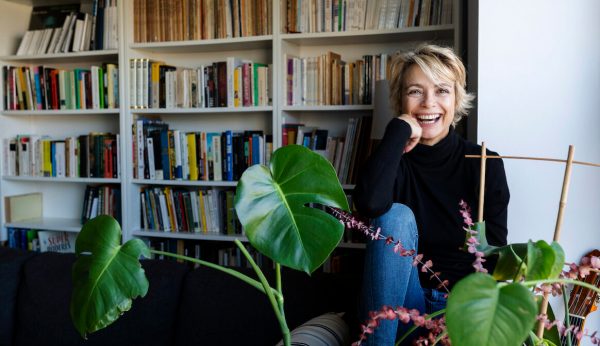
{"x":23,"y":207}
{"x":51,"y":241}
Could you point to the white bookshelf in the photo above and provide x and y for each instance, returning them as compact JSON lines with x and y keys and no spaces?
{"x":63,"y":196}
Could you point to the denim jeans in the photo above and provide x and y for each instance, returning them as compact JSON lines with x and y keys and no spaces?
{"x":391,"y":280}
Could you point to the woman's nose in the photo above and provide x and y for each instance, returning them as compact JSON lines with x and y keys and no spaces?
{"x":428,"y":99}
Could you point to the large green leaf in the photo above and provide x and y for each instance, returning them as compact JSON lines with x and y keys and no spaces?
{"x":511,"y":263}
{"x":544,"y":261}
{"x":482,"y":312}
{"x":272,"y":207}
{"x":106,"y":275}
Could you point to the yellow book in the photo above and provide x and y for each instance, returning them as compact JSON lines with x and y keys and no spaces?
{"x":47,"y":157}
{"x":237,"y":78}
{"x":155,"y":82}
{"x":170,"y":208}
{"x":23,"y":207}
{"x":192,"y":157}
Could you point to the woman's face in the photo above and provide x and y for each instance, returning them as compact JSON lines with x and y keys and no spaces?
{"x":431,"y":104}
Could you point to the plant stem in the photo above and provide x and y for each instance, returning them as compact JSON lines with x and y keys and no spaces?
{"x":269,"y":291}
{"x":413,"y":328}
{"x":278,"y":287}
{"x":562,"y":281}
{"x":567,"y":317}
{"x":439,"y":337}
{"x":250,"y":281}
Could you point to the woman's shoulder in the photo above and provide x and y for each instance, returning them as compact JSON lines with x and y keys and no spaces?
{"x":475,"y":149}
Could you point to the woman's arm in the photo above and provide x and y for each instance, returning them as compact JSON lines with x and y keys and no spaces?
{"x":374,"y":191}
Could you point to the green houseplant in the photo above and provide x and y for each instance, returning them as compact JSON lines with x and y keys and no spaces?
{"x":274,"y":204}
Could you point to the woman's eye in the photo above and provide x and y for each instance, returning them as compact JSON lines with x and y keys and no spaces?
{"x":414,"y":92}
{"x":443,"y":91}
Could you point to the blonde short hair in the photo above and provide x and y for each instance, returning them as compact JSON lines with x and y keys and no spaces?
{"x":439,"y":64}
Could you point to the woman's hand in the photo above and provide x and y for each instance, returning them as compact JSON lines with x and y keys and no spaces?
{"x":416,"y":132}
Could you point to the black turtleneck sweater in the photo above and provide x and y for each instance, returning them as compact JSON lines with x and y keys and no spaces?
{"x":432,"y":180}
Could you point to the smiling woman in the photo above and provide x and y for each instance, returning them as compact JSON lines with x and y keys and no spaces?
{"x":412,"y":185}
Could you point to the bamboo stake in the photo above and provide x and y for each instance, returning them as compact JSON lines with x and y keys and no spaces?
{"x":482,"y":183}
{"x":559,"y":219}
{"x":533,"y":159}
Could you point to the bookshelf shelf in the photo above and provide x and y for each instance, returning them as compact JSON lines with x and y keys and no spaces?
{"x":328,"y":108}
{"x":63,"y":196}
{"x":202,"y":110}
{"x":49,"y":224}
{"x":186,"y":235}
{"x":63,"y":180}
{"x":203,"y":46}
{"x":185,"y":182}
{"x":87,"y":56}
{"x":63,"y":112}
{"x":436,"y":32}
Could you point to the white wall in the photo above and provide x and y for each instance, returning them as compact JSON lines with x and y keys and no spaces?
{"x":539,"y":91}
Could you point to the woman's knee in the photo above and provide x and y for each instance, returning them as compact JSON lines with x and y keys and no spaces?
{"x":398,"y":222}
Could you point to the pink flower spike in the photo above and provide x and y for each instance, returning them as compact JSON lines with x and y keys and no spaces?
{"x":595,"y":262}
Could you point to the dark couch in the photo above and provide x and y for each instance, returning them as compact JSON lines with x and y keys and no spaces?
{"x":182,"y":307}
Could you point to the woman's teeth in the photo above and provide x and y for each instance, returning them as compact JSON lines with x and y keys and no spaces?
{"x":428,"y":119}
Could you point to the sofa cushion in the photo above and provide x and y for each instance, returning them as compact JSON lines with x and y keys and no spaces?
{"x":11,"y":263}
{"x":326,"y":330}
{"x":43,"y":316}
{"x":218,"y":309}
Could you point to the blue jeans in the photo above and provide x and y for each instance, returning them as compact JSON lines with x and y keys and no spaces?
{"x":391,"y":280}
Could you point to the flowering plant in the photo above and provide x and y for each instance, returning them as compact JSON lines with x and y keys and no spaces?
{"x":501,"y":304}
{"x":273,"y":205}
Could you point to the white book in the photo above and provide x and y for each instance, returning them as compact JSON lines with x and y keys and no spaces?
{"x":60,"y":159}
{"x":132,"y":83}
{"x":73,"y":157}
{"x":36,"y":155}
{"x":78,"y":34}
{"x":139,"y":82}
{"x":195,"y":215}
{"x":25,"y":43}
{"x":45,"y":42}
{"x":185,"y":162}
{"x":95,"y":74}
{"x":164,"y":213}
{"x":145,"y":81}
{"x":67,"y":44}
{"x":177,"y":149}
{"x":35,"y":42}
{"x":51,"y":241}
{"x":54,"y":40}
{"x":201,"y":83}
{"x":63,"y":33}
{"x":150,"y":151}
{"x":87,"y":33}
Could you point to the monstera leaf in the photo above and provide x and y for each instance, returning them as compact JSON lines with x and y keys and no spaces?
{"x":106,"y":275}
{"x":480,"y":312}
{"x":273,"y":206}
{"x":534,"y":261}
{"x":544,"y":261}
